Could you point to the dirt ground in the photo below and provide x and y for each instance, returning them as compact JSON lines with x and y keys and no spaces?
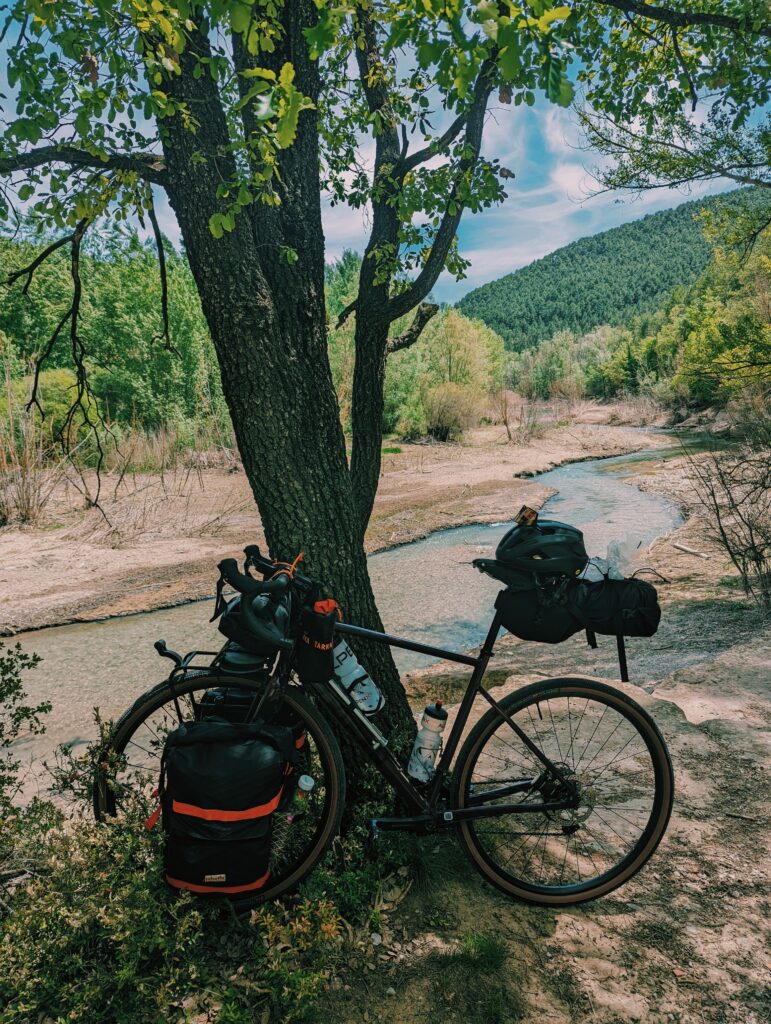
{"x":162,"y":536}
{"x":687,"y":940}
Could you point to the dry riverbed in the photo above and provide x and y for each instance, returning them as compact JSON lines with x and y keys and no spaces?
{"x":160,"y":537}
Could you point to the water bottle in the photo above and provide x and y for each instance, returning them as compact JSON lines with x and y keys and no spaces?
{"x":427,"y":743}
{"x":301,"y":797}
{"x":355,"y":680}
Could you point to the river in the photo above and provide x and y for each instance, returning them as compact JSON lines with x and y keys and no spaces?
{"x":426,"y":590}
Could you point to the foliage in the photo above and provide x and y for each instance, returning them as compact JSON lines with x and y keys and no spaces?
{"x":135,"y":378}
{"x":605,"y":279}
{"x":17,"y":717}
{"x":96,"y":936}
{"x":448,"y":371}
{"x":705,"y":346}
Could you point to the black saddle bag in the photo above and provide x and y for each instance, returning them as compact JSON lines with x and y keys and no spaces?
{"x":526,"y":614}
{"x":613,"y":607}
{"x":221,"y":783}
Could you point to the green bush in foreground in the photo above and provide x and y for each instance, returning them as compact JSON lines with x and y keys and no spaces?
{"x":94,"y":935}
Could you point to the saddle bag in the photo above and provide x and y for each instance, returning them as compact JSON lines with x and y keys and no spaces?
{"x":526,"y":614}
{"x":615,"y":607}
{"x":221,"y":782}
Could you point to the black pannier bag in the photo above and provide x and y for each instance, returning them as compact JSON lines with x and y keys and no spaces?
{"x":314,"y":659}
{"x":220,"y":784}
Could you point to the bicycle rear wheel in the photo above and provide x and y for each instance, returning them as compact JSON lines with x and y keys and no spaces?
{"x":129,"y":768}
{"x":607,"y":746}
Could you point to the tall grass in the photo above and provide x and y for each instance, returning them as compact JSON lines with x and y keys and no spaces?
{"x":29,"y":468}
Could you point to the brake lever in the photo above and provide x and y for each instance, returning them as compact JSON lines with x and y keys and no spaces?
{"x":163,"y":650}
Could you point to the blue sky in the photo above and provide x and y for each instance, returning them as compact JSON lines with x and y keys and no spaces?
{"x":549,"y":201}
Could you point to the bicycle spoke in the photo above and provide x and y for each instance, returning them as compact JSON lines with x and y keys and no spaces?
{"x":594,"y":743}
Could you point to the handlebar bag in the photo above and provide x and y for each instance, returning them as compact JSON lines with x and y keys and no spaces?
{"x":314,"y":659}
{"x":220,"y":785}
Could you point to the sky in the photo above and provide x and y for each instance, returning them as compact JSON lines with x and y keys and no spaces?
{"x":548,"y":204}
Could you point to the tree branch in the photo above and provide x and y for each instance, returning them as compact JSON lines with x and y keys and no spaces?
{"x":29,"y":271}
{"x":686,"y":72}
{"x":408,"y":163}
{"x":149,"y":166}
{"x":687,"y":19}
{"x":424,"y":313}
{"x":165,"y":335}
{"x":403,"y":302}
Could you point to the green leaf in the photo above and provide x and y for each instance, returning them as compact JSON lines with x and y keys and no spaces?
{"x":215,"y":225}
{"x":240,"y":18}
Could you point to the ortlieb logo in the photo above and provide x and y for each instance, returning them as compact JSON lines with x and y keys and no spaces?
{"x":215,"y":878}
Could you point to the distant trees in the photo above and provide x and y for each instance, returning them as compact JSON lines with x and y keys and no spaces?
{"x":605,"y":279}
{"x":705,"y":346}
{"x":135,"y":378}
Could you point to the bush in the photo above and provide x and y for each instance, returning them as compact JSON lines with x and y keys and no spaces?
{"x":450,"y":409}
{"x":17,"y":717}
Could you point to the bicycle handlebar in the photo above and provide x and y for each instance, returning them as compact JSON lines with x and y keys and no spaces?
{"x":244,"y":584}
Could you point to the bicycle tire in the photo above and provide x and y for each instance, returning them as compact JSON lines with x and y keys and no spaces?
{"x":319,"y":734}
{"x":486,"y":853}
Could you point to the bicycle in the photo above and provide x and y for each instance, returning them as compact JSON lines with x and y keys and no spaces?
{"x":560,"y":793}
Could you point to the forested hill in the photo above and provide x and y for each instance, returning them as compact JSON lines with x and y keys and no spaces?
{"x":603,"y":279}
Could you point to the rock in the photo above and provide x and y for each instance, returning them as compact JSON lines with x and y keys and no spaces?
{"x":376,"y":938}
{"x":390,"y":991}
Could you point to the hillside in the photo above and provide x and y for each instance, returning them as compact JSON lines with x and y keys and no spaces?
{"x":604,"y":279}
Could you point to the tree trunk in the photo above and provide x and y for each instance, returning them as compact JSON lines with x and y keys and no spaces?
{"x":267,"y":319}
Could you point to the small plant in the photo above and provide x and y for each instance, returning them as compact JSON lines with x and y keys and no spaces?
{"x":17,"y":717}
{"x":733,"y":487}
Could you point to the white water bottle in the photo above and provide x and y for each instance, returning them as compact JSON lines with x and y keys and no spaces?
{"x":428,"y":743}
{"x":355,"y":680}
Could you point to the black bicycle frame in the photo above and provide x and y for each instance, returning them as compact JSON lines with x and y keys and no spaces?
{"x":426,"y":802}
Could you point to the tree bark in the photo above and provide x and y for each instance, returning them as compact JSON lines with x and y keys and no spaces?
{"x":267,"y":319}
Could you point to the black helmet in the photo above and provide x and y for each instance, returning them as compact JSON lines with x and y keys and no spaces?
{"x":546,"y":547}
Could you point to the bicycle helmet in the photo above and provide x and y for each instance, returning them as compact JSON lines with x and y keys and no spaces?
{"x":548,"y":547}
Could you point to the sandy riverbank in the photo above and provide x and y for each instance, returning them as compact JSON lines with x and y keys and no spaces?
{"x":165,"y":535}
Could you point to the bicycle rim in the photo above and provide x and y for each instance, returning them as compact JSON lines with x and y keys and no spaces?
{"x":606,"y":745}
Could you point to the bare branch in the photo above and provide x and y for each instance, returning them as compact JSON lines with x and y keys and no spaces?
{"x":166,"y":333}
{"x":149,"y":166}
{"x":403,"y":302}
{"x":687,"y":18}
{"x":424,"y":313}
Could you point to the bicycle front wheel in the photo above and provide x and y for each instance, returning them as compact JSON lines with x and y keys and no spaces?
{"x":609,"y":748}
{"x":129,"y":768}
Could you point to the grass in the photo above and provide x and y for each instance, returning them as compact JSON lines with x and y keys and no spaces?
{"x":391,"y":451}
{"x":471,"y":982}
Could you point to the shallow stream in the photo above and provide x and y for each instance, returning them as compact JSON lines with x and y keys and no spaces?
{"x":426,"y":590}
